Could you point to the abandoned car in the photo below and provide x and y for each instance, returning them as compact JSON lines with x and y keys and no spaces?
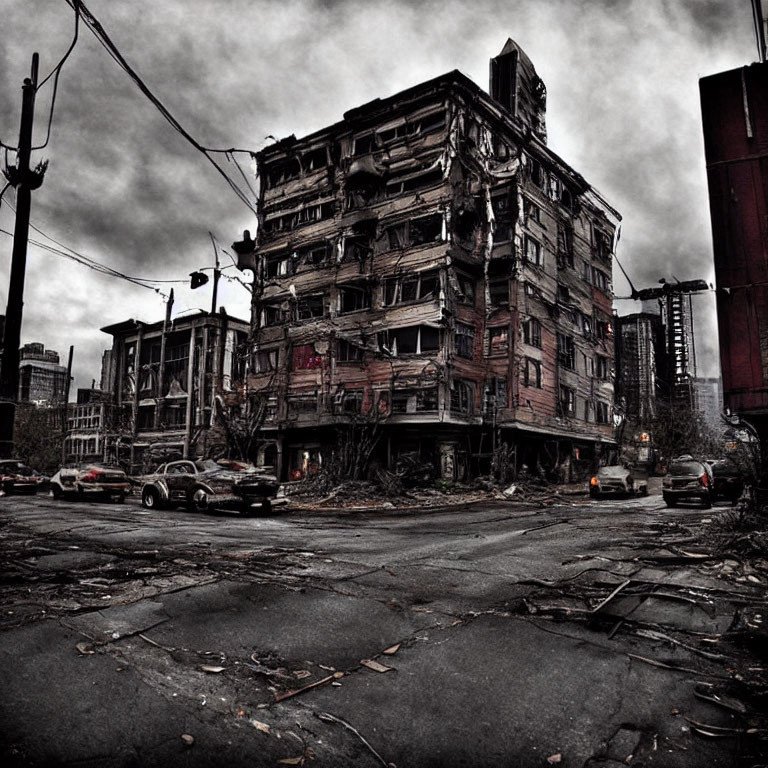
{"x":205,"y":486}
{"x":16,"y":477}
{"x":728,"y":480}
{"x":616,"y":480}
{"x":688,"y":479}
{"x":100,"y":481}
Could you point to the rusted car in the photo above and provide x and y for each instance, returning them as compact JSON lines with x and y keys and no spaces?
{"x":17,"y":477}
{"x":205,"y":486}
{"x":92,"y":481}
{"x":618,"y":481}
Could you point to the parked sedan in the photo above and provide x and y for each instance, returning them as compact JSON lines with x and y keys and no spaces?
{"x":616,"y":480}
{"x":91,"y":481}
{"x":16,"y":477}
{"x":728,"y":480}
{"x":688,"y":480}
{"x":204,"y":486}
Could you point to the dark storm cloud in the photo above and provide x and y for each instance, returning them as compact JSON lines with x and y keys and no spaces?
{"x":124,"y":188}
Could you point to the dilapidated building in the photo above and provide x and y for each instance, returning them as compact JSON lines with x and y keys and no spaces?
{"x":428,"y":267}
{"x":169,"y":384}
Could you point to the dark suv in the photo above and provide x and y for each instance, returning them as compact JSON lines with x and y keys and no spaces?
{"x":688,"y":479}
{"x":729,"y":482}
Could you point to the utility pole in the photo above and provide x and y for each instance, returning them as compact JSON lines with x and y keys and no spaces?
{"x":216,"y":275}
{"x":24,"y":180}
{"x":65,"y":406}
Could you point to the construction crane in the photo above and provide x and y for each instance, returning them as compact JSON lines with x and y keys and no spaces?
{"x":680,"y":361}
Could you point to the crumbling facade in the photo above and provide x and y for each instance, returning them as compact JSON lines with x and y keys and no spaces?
{"x":169,"y":385}
{"x":428,"y":269}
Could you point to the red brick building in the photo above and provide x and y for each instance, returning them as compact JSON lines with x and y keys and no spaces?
{"x":430,"y":265}
{"x":734,"y":109}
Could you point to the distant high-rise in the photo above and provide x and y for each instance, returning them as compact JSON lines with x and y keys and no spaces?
{"x":41,"y":379}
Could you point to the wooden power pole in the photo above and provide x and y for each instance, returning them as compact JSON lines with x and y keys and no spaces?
{"x":24,"y":180}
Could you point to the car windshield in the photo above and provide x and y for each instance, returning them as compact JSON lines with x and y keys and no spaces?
{"x":686,"y":468}
{"x":15,"y":467}
{"x":613,"y":471}
{"x":208,"y":465}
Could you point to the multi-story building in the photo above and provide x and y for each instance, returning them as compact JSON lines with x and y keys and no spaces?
{"x":640,"y":365}
{"x":86,"y":420}
{"x":735,"y":121}
{"x":430,"y":266}
{"x":41,"y":379}
{"x":709,"y":400}
{"x":162,"y":383}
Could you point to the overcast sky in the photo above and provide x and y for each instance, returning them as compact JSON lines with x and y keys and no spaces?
{"x":125,"y":189}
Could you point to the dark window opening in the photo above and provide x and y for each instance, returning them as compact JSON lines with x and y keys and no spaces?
{"x":499,"y":293}
{"x":353,"y":298}
{"x":305,"y":358}
{"x":566,"y":351}
{"x":310,"y":307}
{"x":461,"y":397}
{"x":415,"y":339}
{"x":532,"y":373}
{"x":422,"y":286}
{"x":532,"y":332}
{"x":346,"y":352}
{"x":567,"y":401}
{"x":464,"y":341}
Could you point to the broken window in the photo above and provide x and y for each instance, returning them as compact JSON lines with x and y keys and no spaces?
{"x":421,"y":126}
{"x":364,"y":144}
{"x":312,"y":256}
{"x":414,"y":400}
{"x":271,"y":314}
{"x":563,"y":293}
{"x":564,"y":244}
{"x":532,"y":373}
{"x":357,"y":247}
{"x":352,"y":401}
{"x":346,"y":352}
{"x":422,"y":286}
{"x":466,"y":292}
{"x":499,"y":293}
{"x":426,"y":229}
{"x":278,"y":265}
{"x":315,"y":159}
{"x":566,"y":351}
{"x":265,"y":360}
{"x":601,"y":244}
{"x":414,"y":180}
{"x":306,"y":215}
{"x":302,"y":404}
{"x":567,"y":401}
{"x":461,"y":396}
{"x":587,"y":410}
{"x":504,"y":214}
{"x":464,"y":341}
{"x":531,"y":211}
{"x":529,"y":289}
{"x":601,"y":412}
{"x":495,"y":395}
{"x":587,"y":325}
{"x":310,"y":307}
{"x":498,"y":341}
{"x":604,"y":330}
{"x":415,"y":339}
{"x":600,"y":279}
{"x":305,"y":358}
{"x":536,"y":173}
{"x":353,"y":298}
{"x":282,"y":171}
{"x":532,"y":332}
{"x":602,"y":367}
{"x":587,"y":272}
{"x":532,"y":255}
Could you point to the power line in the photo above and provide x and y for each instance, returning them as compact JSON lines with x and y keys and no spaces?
{"x":55,"y":72}
{"x":98,"y":31}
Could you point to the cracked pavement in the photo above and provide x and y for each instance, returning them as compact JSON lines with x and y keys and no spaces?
{"x":574,"y":633}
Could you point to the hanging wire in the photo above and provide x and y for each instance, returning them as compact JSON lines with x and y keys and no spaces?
{"x":98,"y":31}
{"x":55,"y":72}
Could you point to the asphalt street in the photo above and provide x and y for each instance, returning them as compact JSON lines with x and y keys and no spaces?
{"x":573,"y":633}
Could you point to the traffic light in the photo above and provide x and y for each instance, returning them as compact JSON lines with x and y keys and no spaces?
{"x":198,"y":279}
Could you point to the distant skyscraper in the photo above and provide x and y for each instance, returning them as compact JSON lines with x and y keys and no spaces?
{"x":709,"y":400}
{"x":41,"y":379}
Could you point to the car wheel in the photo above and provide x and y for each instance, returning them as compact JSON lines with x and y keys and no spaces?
{"x":706,"y":503}
{"x":55,"y":492}
{"x":198,"y":501}
{"x":264,"y":509}
{"x":150,"y":499}
{"x":670,"y":502}
{"x":120,"y":498}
